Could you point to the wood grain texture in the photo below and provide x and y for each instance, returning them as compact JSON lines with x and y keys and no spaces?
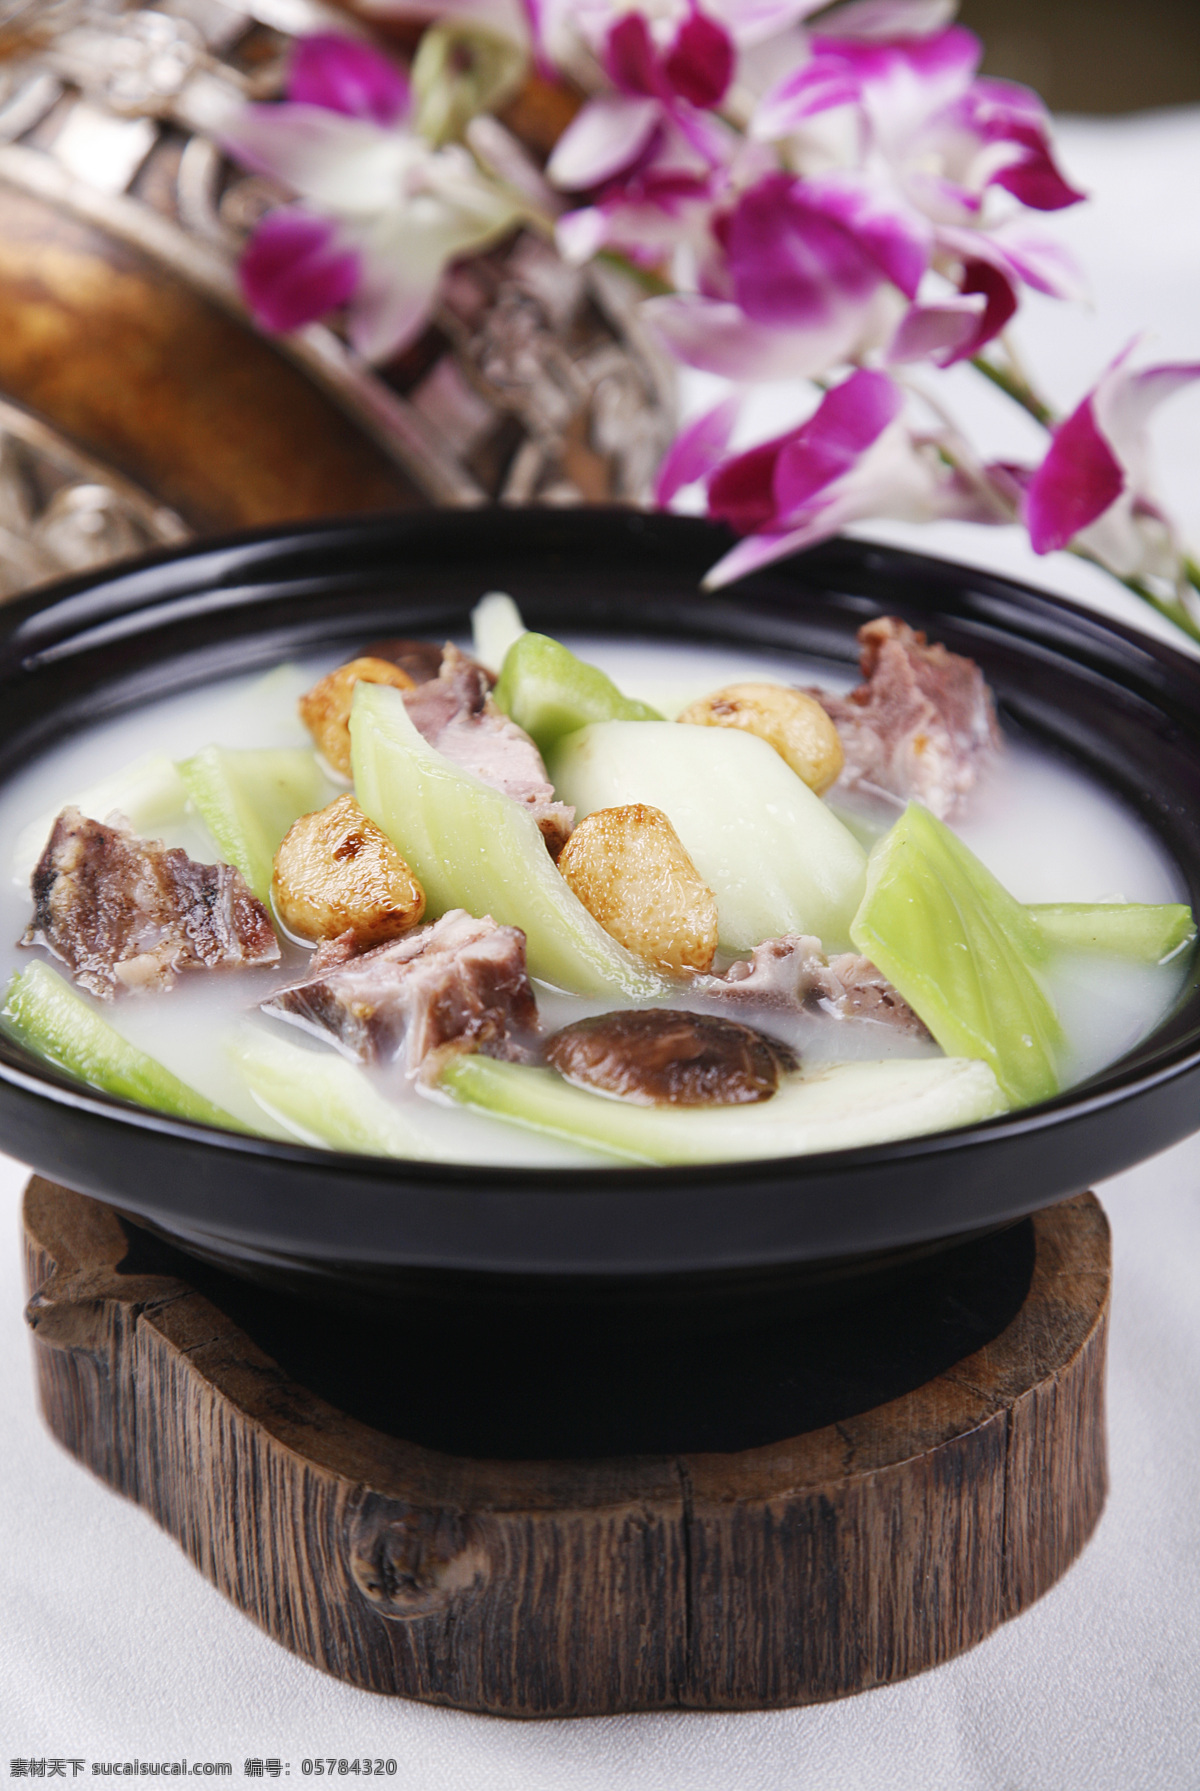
{"x":154,"y":379}
{"x":818,"y":1566}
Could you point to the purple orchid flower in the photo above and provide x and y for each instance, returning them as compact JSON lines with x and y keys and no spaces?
{"x":381,"y":212}
{"x":855,"y":457}
{"x":810,"y":273}
{"x":293,"y":270}
{"x":1002,"y":115}
{"x":1095,"y":488}
{"x":343,"y":75}
{"x":987,"y":271}
{"x":697,"y":450}
{"x":652,"y":152}
{"x":649,"y":203}
{"x":668,"y":74}
{"x":645,"y":216}
{"x":695,"y":66}
{"x":797,"y":248}
{"x":945,"y":134}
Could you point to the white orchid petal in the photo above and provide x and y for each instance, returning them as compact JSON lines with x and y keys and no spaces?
{"x":405,"y":249}
{"x":908,"y":92}
{"x":1020,"y":252}
{"x":506,"y":158}
{"x":385,"y":317}
{"x":609,"y":134}
{"x":718,"y":337}
{"x":644,"y":232}
{"x":762,"y":550}
{"x":1124,"y":402}
{"x":340,"y":164}
{"x":937,"y":332}
{"x":897,"y":477}
{"x":1133,"y":541}
{"x":1040,"y":260}
{"x":580,"y":234}
{"x":402,"y":268}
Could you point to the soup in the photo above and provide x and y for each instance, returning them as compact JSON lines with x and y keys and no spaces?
{"x":1046,"y":832}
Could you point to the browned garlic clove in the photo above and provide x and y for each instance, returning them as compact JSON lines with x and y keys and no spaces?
{"x":336,"y":873}
{"x":629,"y":868}
{"x":793,"y":723}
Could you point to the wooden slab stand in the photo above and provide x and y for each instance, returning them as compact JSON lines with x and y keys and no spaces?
{"x":817,"y":1566}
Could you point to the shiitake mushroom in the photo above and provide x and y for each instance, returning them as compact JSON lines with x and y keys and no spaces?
{"x":662,"y":1056}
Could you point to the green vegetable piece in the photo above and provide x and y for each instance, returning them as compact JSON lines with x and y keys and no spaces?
{"x":774,"y":855}
{"x":838,"y":1108}
{"x":44,"y":1013}
{"x":961,"y":950}
{"x":248,"y":799}
{"x":320,"y":1098}
{"x":473,"y":847}
{"x":1148,"y":933}
{"x":549,"y":693}
{"x":150,"y":794}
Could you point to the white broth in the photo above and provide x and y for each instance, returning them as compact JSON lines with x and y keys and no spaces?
{"x":1046,"y":830}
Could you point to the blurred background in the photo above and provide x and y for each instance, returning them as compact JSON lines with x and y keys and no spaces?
{"x":1098,"y":56}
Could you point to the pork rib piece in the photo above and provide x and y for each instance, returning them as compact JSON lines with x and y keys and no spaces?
{"x":921,"y":724}
{"x":456,"y":714}
{"x":459,"y":982}
{"x":794,"y":973}
{"x":125,"y":913}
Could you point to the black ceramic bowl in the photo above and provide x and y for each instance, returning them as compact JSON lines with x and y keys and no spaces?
{"x":1123,"y":707}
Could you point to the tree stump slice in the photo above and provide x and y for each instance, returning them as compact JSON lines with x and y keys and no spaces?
{"x":850,"y":1556}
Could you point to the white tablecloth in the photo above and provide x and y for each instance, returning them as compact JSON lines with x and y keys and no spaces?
{"x":112,"y":1648}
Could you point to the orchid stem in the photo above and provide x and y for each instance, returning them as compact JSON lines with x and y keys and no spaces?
{"x":1016,"y":387}
{"x":1170,"y":607}
{"x":650,"y":282}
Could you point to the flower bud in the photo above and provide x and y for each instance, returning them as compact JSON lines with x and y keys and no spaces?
{"x":459,"y":71}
